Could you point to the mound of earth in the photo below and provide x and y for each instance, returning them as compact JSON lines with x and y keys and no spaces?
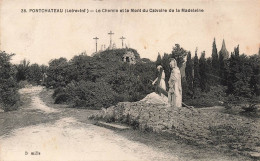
{"x":154,"y":98}
{"x":197,"y":126}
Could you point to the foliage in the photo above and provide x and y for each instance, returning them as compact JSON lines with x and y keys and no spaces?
{"x":240,"y":76}
{"x":158,"y":60}
{"x":91,"y":95}
{"x":196,"y":79}
{"x":189,"y":75}
{"x":167,"y":68}
{"x":31,"y":73}
{"x":35,"y":74}
{"x":22,"y":70}
{"x":57,"y":73}
{"x":99,"y":81}
{"x":203,"y":72}
{"x":223,"y":68}
{"x":178,"y":53}
{"x":9,"y":97}
{"x":213,"y":97}
{"x":215,"y":64}
{"x":255,"y":78}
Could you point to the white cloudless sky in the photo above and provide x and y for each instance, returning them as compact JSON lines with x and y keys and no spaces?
{"x":40,"y":37}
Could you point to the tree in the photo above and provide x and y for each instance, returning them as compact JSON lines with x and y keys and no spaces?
{"x":203,"y":72}
{"x":221,"y":68}
{"x":166,"y":67}
{"x":9,"y":97}
{"x":215,"y":63}
{"x":240,"y":75}
{"x":44,"y":68}
{"x":57,"y":74}
{"x":35,"y":74}
{"x":158,"y":60}
{"x":196,"y":79}
{"x":179,"y":54}
{"x":255,"y":79}
{"x":188,"y":73}
{"x":22,"y":70}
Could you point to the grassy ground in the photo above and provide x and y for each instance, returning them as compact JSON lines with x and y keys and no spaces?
{"x":162,"y":142}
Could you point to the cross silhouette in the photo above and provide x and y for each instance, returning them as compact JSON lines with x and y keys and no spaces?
{"x":96,"y":38}
{"x":122,"y":38}
{"x":110,"y":33}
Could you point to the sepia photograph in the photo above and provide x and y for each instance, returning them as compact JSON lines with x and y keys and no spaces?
{"x":129,"y":80}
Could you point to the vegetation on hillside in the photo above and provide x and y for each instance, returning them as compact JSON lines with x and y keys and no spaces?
{"x":99,"y":81}
{"x":104,"y":79}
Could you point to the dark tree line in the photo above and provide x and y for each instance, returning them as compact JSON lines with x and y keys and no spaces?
{"x":238,"y":75}
{"x":32,"y":73}
{"x":104,"y":80}
{"x":216,"y":78}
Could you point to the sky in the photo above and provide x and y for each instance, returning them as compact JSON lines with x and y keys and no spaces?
{"x":40,"y":37}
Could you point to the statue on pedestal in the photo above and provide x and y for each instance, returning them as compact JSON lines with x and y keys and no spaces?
{"x":175,"y":89}
{"x":160,"y":87}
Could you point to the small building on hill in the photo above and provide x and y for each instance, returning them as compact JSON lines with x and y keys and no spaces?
{"x":129,"y":57}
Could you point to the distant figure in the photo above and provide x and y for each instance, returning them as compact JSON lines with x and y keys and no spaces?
{"x":175,"y":89}
{"x":44,"y":78}
{"x":160,"y":81}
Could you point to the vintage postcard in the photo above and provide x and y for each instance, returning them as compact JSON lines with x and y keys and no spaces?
{"x":129,"y":80}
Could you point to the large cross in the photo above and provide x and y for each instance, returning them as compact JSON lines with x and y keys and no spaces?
{"x":110,"y":33}
{"x":122,"y":38}
{"x":96,"y":42}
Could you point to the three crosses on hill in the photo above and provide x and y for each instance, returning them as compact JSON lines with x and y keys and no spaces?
{"x":110,"y":43}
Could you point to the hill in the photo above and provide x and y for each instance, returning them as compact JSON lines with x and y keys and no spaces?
{"x":102,"y":80}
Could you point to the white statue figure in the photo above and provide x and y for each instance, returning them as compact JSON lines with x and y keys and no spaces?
{"x":160,"y":81}
{"x":175,"y":89}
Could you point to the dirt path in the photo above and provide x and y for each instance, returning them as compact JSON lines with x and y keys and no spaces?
{"x":54,"y":135}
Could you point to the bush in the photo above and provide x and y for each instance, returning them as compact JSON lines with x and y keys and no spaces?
{"x":86,"y":94}
{"x":9,"y":97}
{"x":214,"y":97}
{"x":95,"y":82}
{"x":61,"y":98}
{"x":58,"y":91}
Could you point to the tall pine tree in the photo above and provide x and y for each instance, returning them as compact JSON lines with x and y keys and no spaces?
{"x":240,"y":75}
{"x":158,"y":60}
{"x":196,"y":79}
{"x":215,"y":64}
{"x":188,"y":73}
{"x":166,"y":67}
{"x":255,"y":79}
{"x":203,"y":71}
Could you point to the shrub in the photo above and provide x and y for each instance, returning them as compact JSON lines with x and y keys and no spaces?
{"x":61,"y":98}
{"x":214,"y":97}
{"x":9,"y":97}
{"x":86,"y":94}
{"x":95,"y":82}
{"x":58,"y":91}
